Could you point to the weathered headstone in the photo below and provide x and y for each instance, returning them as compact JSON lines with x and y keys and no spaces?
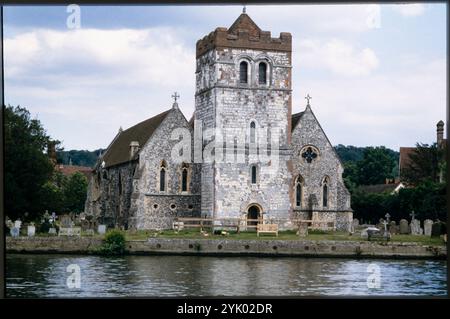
{"x":52,"y":231}
{"x":101,"y":229}
{"x":438,"y":228}
{"x":427,"y":225}
{"x":31,"y":230}
{"x":18,"y":223}
{"x":415,"y":227}
{"x":302,"y":230}
{"x":65,"y":221}
{"x":15,"y":232}
{"x":393,"y":228}
{"x":404,"y":227}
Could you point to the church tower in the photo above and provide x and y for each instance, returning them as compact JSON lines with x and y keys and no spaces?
{"x":243,"y":99}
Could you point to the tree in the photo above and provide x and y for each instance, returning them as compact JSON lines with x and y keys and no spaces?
{"x":375,"y":166}
{"x":27,"y":168}
{"x":425,"y":164}
{"x":75,"y":190}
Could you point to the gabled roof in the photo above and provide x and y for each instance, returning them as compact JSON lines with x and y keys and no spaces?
{"x":295,"y":119}
{"x":119,"y":150}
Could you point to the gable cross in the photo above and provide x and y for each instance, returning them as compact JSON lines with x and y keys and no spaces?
{"x":175,"y":96}
{"x":307,"y":97}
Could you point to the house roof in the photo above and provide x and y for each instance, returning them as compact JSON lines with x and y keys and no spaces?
{"x":118,"y":151}
{"x":405,"y":157}
{"x":295,"y":118}
{"x":68,"y":170}
{"x":379,"y":188}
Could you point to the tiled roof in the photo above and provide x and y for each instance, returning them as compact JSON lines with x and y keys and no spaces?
{"x":68,"y":170}
{"x":295,"y":118}
{"x":378,"y":188}
{"x":119,"y":150}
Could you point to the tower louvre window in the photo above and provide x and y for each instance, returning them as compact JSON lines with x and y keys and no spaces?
{"x":243,"y":69}
{"x":262,"y":73}
{"x":253,"y":174}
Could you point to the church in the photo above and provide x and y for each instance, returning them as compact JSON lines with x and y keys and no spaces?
{"x":245,"y":153}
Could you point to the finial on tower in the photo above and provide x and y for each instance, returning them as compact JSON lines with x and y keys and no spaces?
{"x":307,"y":97}
{"x":244,"y":9}
{"x":175,"y":97}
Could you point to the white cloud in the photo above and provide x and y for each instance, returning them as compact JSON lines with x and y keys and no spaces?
{"x":337,"y":56}
{"x":410,"y":10}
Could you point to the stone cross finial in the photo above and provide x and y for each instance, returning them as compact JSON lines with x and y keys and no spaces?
{"x":387,"y":217}
{"x":175,"y":96}
{"x":244,"y":9}
{"x":413,"y":215}
{"x":307,"y":97}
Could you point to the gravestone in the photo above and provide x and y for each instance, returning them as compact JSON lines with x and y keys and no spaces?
{"x":404,"y":227}
{"x":52,"y":231}
{"x":393,"y":228}
{"x":439,"y":228}
{"x":90,"y":232}
{"x":18,"y":224}
{"x":302,"y":230}
{"x":65,"y":221}
{"x":101,"y":229}
{"x":15,"y":232}
{"x":415,"y":227}
{"x":31,"y":230}
{"x":427,"y":225}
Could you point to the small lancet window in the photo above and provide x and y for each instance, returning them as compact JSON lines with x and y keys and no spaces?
{"x":298,"y":191}
{"x":325,"y":193}
{"x":253,"y":174}
{"x":243,"y":69}
{"x":184,"y":177}
{"x":162,"y":177}
{"x":252,"y":132}
{"x":262,"y":73}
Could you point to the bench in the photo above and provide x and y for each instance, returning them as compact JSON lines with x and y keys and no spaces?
{"x":267,"y":229}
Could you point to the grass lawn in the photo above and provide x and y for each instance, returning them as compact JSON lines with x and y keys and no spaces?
{"x":282,"y":235}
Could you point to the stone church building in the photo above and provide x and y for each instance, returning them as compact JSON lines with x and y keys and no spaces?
{"x":243,"y":90}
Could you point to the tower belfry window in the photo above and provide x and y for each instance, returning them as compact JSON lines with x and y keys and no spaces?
{"x":253,"y":174}
{"x":243,"y":69}
{"x":252,"y":132}
{"x":262,"y":73}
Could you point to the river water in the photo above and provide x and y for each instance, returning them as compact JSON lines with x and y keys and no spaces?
{"x":45,"y":276}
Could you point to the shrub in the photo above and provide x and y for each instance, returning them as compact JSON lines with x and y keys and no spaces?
{"x":114,"y":243}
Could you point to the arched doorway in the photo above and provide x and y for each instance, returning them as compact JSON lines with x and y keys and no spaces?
{"x":254,"y":212}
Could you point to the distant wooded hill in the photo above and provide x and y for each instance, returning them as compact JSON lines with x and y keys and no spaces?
{"x":88,"y":158}
{"x":77,"y":157}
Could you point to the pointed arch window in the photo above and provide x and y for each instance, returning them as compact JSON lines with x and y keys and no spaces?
{"x":252,"y":132}
{"x":299,"y":191}
{"x":325,"y":192}
{"x":262,"y":73}
{"x":254,"y":174}
{"x":184,"y":178}
{"x":162,"y":177}
{"x":243,"y":72}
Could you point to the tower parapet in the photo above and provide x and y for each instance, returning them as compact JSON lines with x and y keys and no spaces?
{"x":244,"y":34}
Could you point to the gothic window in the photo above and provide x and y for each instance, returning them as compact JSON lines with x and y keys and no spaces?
{"x":298,"y":191}
{"x":262,"y":73}
{"x":252,"y":132}
{"x":309,"y":154}
{"x":120,"y":184}
{"x":162,"y":177}
{"x":184,"y":179}
{"x":243,"y":69}
{"x":325,"y":192}
{"x":253,"y":172}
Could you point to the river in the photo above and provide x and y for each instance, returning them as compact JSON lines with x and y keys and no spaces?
{"x":45,"y":276}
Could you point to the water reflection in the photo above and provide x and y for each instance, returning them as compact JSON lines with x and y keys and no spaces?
{"x":45,"y":276}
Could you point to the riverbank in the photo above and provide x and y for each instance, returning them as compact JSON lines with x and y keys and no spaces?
{"x":232,"y":247}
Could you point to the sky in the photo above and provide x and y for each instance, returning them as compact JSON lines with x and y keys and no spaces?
{"x":376,"y":73}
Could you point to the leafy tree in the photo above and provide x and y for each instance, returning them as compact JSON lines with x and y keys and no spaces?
{"x":375,"y":167}
{"x":27,"y":168}
{"x":425,"y":164}
{"x":75,"y":189}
